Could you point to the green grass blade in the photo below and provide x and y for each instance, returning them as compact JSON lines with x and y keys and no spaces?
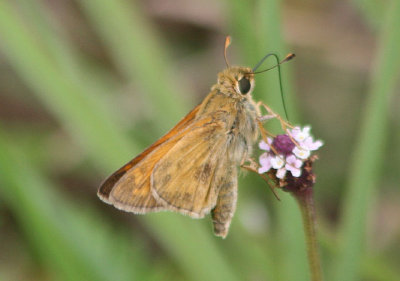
{"x":63,"y":97}
{"x":372,"y":10}
{"x":255,"y":256}
{"x":368,"y":154}
{"x":193,"y":245}
{"x":135,"y":48}
{"x":379,"y":269}
{"x":78,"y":67}
{"x":72,"y":242}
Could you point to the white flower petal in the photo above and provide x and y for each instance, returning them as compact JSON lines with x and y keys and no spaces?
{"x":298,"y":163}
{"x":264,"y":158}
{"x":301,"y":137}
{"x":306,"y":130}
{"x":301,"y":134}
{"x":264,"y":146}
{"x":280,"y":174}
{"x":263,"y":169}
{"x":295,"y":172}
{"x":301,"y":153}
{"x":293,"y":164}
{"x":291,"y":159}
{"x":315,"y":145}
{"x":295,"y":131}
{"x":265,"y":161}
{"x":277,"y":162}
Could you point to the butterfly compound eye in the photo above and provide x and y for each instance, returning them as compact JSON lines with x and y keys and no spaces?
{"x":244,"y":85}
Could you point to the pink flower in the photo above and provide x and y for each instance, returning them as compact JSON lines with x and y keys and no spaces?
{"x":294,"y":149}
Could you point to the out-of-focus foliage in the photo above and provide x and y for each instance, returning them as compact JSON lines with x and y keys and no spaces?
{"x":86,"y":85}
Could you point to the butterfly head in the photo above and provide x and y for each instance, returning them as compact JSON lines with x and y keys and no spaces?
{"x":237,"y":81}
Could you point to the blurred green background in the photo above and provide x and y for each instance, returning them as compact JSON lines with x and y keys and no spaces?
{"x":85,"y":85}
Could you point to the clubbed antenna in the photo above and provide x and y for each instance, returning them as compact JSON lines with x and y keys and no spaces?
{"x":286,"y":59}
{"x":227,"y":43}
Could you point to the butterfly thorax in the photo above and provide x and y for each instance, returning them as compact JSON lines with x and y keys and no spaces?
{"x":235,"y":109}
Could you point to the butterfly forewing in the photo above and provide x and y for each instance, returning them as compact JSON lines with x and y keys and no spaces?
{"x":185,"y":178}
{"x":132,"y":191}
{"x":125,"y":199}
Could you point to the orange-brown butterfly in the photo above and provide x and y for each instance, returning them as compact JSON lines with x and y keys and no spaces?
{"x":193,"y":168}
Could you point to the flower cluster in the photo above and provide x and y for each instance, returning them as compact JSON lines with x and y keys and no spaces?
{"x":288,"y":152}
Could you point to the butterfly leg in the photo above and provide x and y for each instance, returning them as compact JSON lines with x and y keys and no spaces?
{"x":267,"y":117}
{"x":271,"y":114}
{"x":253,"y":167}
{"x":226,"y":204}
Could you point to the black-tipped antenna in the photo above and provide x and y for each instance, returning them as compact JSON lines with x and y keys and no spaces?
{"x":227,"y":43}
{"x":278,"y":64}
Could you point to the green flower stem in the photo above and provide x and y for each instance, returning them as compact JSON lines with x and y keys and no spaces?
{"x":306,"y":204}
